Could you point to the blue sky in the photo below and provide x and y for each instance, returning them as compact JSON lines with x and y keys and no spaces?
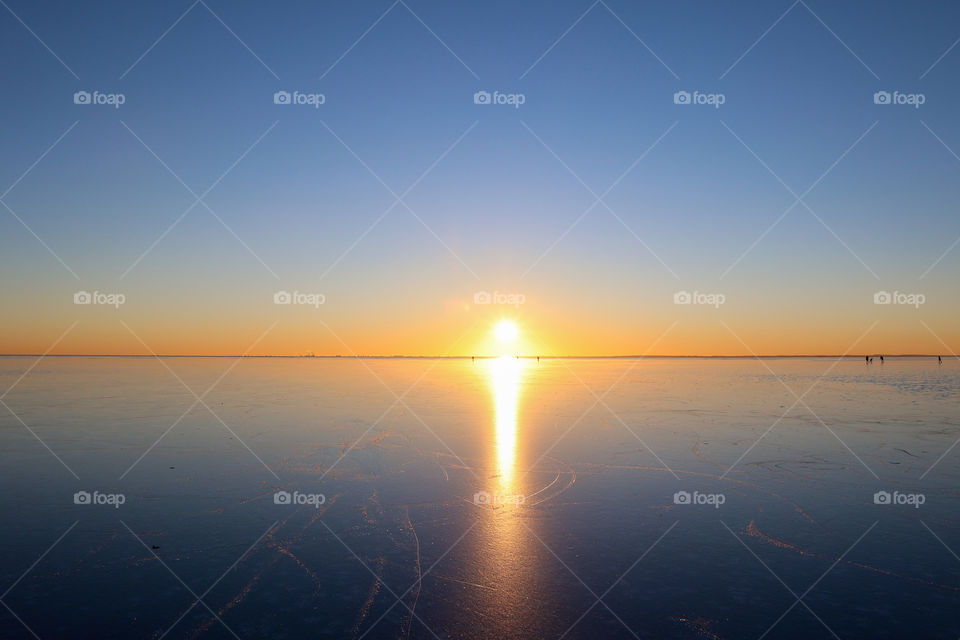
{"x":597,"y":101}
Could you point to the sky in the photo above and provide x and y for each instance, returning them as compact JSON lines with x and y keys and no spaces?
{"x":578,"y":169}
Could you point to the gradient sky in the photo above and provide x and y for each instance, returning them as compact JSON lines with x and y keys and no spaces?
{"x":498,"y":208}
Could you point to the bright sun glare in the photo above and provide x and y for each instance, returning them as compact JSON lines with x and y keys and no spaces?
{"x":506,"y":332}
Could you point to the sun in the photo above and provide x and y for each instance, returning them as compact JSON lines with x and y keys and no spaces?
{"x":506,"y":332}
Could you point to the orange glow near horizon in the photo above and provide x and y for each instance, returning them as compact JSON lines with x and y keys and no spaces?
{"x":462,"y":329}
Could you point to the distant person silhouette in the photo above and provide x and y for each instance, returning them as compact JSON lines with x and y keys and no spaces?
{"x":939,"y":360}
{"x":881,"y":359}
{"x":866,"y":359}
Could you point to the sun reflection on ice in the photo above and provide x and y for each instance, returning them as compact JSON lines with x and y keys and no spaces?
{"x":505,"y":378}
